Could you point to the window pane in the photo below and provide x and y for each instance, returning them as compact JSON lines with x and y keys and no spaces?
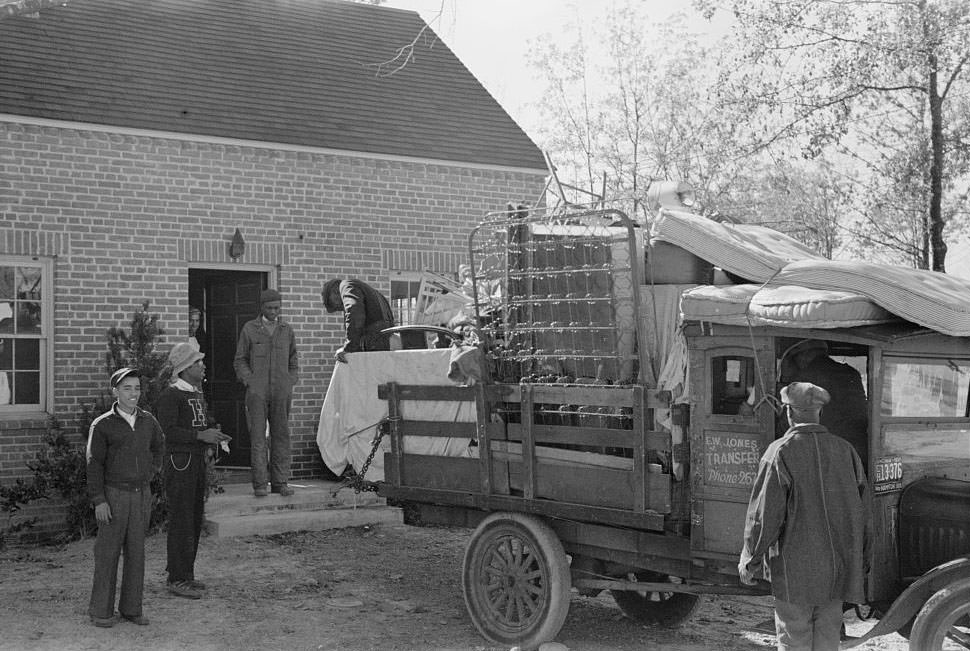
{"x":6,"y":284}
{"x":6,"y":354}
{"x":6,"y":316}
{"x":28,"y":283}
{"x":935,"y":388}
{"x":28,"y":317}
{"x":26,"y":354}
{"x":732,"y":378}
{"x":26,"y":388}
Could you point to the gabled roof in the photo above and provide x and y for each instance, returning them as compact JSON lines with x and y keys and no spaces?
{"x":301,"y":72}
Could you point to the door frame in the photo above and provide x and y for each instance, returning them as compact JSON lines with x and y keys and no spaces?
{"x":272,"y":278}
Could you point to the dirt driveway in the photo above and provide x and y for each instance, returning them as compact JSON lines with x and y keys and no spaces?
{"x":389,"y":587}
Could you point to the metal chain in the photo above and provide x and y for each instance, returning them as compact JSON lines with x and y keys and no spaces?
{"x":357,"y":481}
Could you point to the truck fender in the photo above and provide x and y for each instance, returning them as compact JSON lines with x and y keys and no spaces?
{"x":909,"y":603}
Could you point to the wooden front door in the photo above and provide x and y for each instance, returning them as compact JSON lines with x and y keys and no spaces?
{"x":232,"y":299}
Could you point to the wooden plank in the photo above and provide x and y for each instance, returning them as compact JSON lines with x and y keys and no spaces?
{"x":573,"y":394}
{"x":528,"y":445}
{"x":484,"y":443}
{"x":431,"y":392}
{"x":648,"y":521}
{"x":598,"y":436}
{"x":658,"y":492}
{"x":604,"y":487}
{"x":557,"y":456}
{"x":441,"y":473}
{"x":641,"y":491}
{"x":394,"y":422}
{"x":438,"y":428}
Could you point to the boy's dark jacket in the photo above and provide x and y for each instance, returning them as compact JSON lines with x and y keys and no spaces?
{"x":120,"y":456}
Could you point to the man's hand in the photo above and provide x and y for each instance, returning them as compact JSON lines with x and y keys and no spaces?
{"x":746,"y":575}
{"x":340,"y":355}
{"x":102,"y":513}
{"x":212,"y":436}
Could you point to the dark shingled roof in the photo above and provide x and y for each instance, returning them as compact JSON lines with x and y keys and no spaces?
{"x":302,"y":72}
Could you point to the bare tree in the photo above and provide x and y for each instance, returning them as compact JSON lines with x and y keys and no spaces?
{"x":813,"y":70}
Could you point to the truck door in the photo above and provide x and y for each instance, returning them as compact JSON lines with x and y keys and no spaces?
{"x":731,"y":425}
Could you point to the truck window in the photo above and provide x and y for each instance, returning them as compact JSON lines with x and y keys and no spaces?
{"x":926,"y":388}
{"x":732,"y":378}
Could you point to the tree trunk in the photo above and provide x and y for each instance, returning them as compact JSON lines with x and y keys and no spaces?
{"x":937,"y":245}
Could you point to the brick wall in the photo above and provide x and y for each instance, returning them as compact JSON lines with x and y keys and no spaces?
{"x":125,"y":216}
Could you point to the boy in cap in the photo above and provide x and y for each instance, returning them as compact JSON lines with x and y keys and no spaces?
{"x":266,"y":362}
{"x":810,"y":515}
{"x":190,"y":434}
{"x":124,"y":451}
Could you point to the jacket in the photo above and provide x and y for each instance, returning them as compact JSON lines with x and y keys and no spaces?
{"x":366,"y":313}
{"x":120,"y":455}
{"x":810,"y":514}
{"x":267,"y":365}
{"x":182,"y":413}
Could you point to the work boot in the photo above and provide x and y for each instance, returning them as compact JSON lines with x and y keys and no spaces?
{"x":283,"y":489}
{"x":184,"y":589}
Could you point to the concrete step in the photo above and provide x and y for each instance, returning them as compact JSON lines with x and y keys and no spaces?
{"x":312,"y":507}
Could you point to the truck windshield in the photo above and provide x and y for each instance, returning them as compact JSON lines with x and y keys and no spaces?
{"x":926,"y":388}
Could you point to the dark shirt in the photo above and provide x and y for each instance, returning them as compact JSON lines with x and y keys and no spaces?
{"x":366,"y":313}
{"x":121,"y":455}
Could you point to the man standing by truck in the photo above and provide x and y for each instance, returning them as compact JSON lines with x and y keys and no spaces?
{"x":810,"y":516}
{"x":366,"y":313}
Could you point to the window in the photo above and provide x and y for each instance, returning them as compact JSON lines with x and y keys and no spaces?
{"x":732,"y":379}
{"x":25,"y":330}
{"x":926,"y":388}
{"x":404,"y":296}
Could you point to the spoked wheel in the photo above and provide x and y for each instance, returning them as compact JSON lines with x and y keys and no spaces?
{"x":664,"y":608}
{"x":515,"y":579}
{"x":944,"y":621}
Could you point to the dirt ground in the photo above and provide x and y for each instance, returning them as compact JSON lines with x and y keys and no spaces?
{"x":393,"y":587}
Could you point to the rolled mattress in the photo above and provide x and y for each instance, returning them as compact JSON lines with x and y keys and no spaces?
{"x":788,"y":305}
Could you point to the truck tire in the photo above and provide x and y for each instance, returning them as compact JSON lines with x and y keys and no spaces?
{"x":515,"y":580}
{"x":945,"y":614}
{"x":670,"y":609}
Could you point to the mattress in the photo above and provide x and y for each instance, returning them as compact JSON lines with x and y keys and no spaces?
{"x":755,"y":253}
{"x":787,"y":305}
{"x":931,"y":299}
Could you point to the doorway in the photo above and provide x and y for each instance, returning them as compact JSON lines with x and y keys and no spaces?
{"x":227,"y":299}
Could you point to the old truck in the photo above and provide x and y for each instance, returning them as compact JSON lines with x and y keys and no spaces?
{"x":607,"y":446}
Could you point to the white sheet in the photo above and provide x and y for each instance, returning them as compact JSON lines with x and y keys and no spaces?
{"x":351,"y":409}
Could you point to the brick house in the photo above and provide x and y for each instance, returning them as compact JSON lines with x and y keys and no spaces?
{"x":137,"y":138}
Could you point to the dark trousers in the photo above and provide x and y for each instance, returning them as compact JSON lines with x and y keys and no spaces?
{"x":276,"y":410}
{"x":185,"y":488}
{"x":125,"y":533}
{"x":808,"y":628}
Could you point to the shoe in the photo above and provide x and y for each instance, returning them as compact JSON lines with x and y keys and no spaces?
{"x":184,"y":589}
{"x":141,"y":620}
{"x":259,"y":492}
{"x":103,"y":622}
{"x":198,"y":585}
{"x":283,"y":490}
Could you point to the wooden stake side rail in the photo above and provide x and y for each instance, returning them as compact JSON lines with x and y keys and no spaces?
{"x":540,"y":468}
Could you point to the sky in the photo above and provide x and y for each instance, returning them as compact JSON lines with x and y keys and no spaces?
{"x":492,"y":38}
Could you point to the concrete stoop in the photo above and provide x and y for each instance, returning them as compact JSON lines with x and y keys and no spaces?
{"x":312,"y":507}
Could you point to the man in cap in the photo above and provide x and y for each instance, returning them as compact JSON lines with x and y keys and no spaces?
{"x":810,"y":517}
{"x":125,"y":446}
{"x":366,"y":313}
{"x":847,"y":415}
{"x":266,"y":362}
{"x":190,"y":437}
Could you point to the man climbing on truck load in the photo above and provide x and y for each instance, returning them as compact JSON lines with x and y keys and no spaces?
{"x":847,"y":414}
{"x":810,"y":516}
{"x":366,"y":313}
